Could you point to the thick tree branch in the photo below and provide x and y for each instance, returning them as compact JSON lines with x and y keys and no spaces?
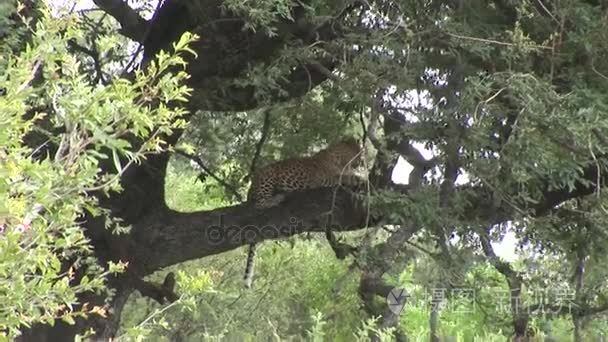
{"x":588,"y":185}
{"x":132,"y":25}
{"x":161,"y":293}
{"x":94,"y":54}
{"x":514,"y":280}
{"x":227,"y":52}
{"x":172,"y":237}
{"x":394,"y":123}
{"x":500,"y":265}
{"x":169,"y":237}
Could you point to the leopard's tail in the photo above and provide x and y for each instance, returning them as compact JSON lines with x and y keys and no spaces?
{"x":248,"y":278}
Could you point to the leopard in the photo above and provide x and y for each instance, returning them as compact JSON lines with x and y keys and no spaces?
{"x":335,"y":165}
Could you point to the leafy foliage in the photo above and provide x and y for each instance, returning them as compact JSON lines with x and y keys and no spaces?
{"x":45,"y":191}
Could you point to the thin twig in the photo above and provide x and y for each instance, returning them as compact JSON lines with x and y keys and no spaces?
{"x":202,"y":165}
{"x":598,"y":187}
{"x":597,"y":71}
{"x":491,"y":41}
{"x":547,"y":10}
{"x":32,"y":76}
{"x":117,"y":176}
{"x":260,"y":144}
{"x":156,"y":313}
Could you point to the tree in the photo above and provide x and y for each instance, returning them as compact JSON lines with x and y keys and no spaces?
{"x":508,"y":93}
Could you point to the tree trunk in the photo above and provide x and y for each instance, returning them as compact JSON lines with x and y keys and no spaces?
{"x":436,"y":301}
{"x":578,"y":328}
{"x":579,"y":282}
